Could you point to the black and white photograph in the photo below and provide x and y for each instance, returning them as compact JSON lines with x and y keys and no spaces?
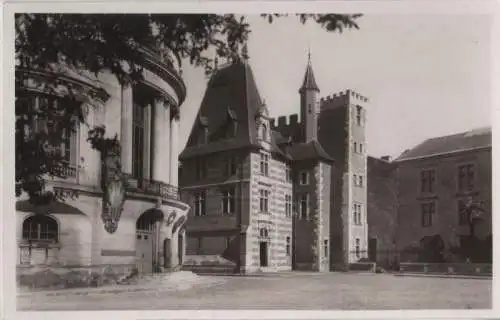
{"x":302,"y":160}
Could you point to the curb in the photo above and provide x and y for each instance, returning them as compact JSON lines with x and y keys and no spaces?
{"x":113,"y":290}
{"x":445,"y":276}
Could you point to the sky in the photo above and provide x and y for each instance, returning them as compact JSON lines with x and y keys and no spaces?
{"x":425,"y":75}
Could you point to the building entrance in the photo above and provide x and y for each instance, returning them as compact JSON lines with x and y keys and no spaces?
{"x":263,"y":254}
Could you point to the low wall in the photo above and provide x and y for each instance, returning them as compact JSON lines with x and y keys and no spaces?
{"x":62,"y":277}
{"x":448,"y":268}
{"x":363,"y":266}
{"x":208,"y":264}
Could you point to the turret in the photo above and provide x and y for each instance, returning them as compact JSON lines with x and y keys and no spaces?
{"x":309,"y":104}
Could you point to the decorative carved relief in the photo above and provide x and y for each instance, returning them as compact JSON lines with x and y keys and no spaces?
{"x":113,"y":185}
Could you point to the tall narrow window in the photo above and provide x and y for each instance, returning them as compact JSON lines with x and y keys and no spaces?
{"x":304,"y":178}
{"x":360,"y":148}
{"x":358,"y":115}
{"x":325,"y":248}
{"x":228,"y":201}
{"x":288,"y":246}
{"x":428,"y":210}
{"x":288,"y":205}
{"x":427,"y":181}
{"x":355,"y":147}
{"x":199,"y":203}
{"x":264,"y":200}
{"x":138,"y":141}
{"x":288,"y":173}
{"x":360,"y":182}
{"x":466,"y":177}
{"x":304,"y":206}
{"x":264,"y":164}
{"x":355,"y":180}
{"x":358,"y":248}
{"x":230,"y":166}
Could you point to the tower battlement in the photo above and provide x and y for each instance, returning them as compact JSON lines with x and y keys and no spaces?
{"x":342,"y":98}
{"x":285,"y":122}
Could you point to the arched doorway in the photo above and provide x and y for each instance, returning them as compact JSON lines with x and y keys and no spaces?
{"x":147,"y":240}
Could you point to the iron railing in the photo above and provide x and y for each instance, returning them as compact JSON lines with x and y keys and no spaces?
{"x":152,"y":187}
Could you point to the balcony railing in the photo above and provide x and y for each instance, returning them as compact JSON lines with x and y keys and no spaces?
{"x":152,"y":187}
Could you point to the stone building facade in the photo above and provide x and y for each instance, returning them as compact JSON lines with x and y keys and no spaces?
{"x":382,"y":211}
{"x":294,"y":206}
{"x":135,"y":222}
{"x":435,"y":180}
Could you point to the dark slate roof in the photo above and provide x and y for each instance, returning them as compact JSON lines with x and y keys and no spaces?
{"x":230,"y":88}
{"x":309,"y":81}
{"x":278,"y":145}
{"x":476,"y":138}
{"x":308,"y":151}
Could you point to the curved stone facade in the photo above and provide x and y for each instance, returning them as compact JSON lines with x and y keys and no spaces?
{"x":145,"y":118}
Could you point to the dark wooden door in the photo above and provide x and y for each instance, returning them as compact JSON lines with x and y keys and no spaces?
{"x":263,"y":254}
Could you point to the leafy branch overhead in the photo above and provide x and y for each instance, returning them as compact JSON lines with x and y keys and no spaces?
{"x":116,"y":43}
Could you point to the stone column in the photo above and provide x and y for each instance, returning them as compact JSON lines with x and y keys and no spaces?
{"x":174,"y":249}
{"x":174,"y":153}
{"x":147,"y":141}
{"x":158,"y":141}
{"x":166,"y":144}
{"x":126,"y":128}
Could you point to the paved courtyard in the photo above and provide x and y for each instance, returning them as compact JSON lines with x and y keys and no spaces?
{"x":338,"y":291}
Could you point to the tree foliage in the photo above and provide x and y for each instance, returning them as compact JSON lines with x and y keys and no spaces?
{"x":114,"y":43}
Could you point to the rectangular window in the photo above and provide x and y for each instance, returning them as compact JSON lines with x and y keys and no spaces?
{"x":228,"y":203}
{"x":230,"y":166}
{"x":466,"y":177}
{"x":357,"y":214}
{"x":288,"y":246}
{"x":228,"y":242}
{"x":355,"y":147}
{"x":288,"y":173}
{"x":304,"y":178}
{"x":264,"y":200}
{"x":304,"y":206}
{"x":427,"y":181}
{"x":201,"y":169}
{"x":358,"y":115}
{"x":360,"y":182}
{"x":138,"y":141}
{"x":264,"y":164}
{"x":428,"y":210}
{"x":288,"y":205}
{"x":199,"y":203}
{"x":462,"y":215}
{"x":358,"y":248}
{"x":325,"y":248}
{"x":355,"y":180}
{"x":360,"y":148}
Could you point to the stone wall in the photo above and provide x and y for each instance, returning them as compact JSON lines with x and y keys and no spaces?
{"x":445,"y":221}
{"x":382,"y":211}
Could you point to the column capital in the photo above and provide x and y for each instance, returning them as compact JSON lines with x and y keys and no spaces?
{"x":175,"y":112}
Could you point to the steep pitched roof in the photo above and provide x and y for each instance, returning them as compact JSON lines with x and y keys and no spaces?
{"x":308,"y":151}
{"x":476,"y":138}
{"x":230,"y":88}
{"x":309,"y":82}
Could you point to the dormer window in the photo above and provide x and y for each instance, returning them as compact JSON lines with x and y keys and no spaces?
{"x":232,"y":124}
{"x":203,"y":133}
